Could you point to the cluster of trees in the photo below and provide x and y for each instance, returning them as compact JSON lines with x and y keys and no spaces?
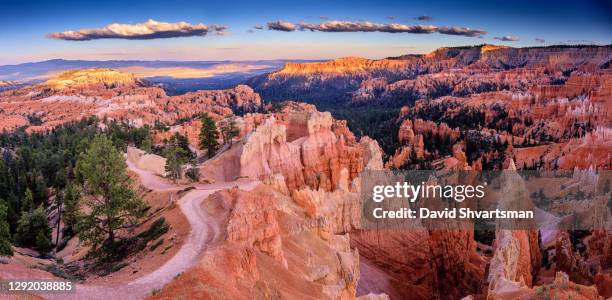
{"x":73,"y":168}
{"x":380,"y":124}
{"x":209,"y":134}
{"x":177,"y":152}
{"x":491,"y":150}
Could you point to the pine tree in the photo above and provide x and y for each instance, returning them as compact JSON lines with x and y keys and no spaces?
{"x":43,"y":243}
{"x":182,"y":142}
{"x":112,"y":204}
{"x":22,"y":232}
{"x":229,"y":129}
{"x":209,"y":135}
{"x":30,"y":226}
{"x":176,"y":157}
{"x":28,"y":202}
{"x":71,"y":205}
{"x":5,"y":235}
{"x":146,"y":145}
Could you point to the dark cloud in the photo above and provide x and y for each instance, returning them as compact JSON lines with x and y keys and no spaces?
{"x":258,"y":27}
{"x":364,"y":26}
{"x":540,"y":40}
{"x":281,"y":26}
{"x":150,"y":29}
{"x":390,"y":17}
{"x":424,"y":18}
{"x":465,"y":31}
{"x":347,"y":26}
{"x":324,"y":17}
{"x":506,"y":38}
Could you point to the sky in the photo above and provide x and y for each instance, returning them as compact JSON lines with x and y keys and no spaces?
{"x":226,"y":30}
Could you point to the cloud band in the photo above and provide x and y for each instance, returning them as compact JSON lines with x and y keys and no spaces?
{"x":349,"y":26}
{"x":148,"y":30}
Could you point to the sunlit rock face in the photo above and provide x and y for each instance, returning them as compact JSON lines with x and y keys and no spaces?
{"x":110,"y":94}
{"x":145,"y":161}
{"x":290,"y":237}
{"x":552,"y":104}
{"x":447,"y":71}
{"x":309,"y":148}
{"x":562,"y":126}
{"x":270,"y":246}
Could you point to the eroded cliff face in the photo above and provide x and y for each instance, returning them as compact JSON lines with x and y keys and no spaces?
{"x":447,"y":71}
{"x":286,"y":238}
{"x":418,"y":262}
{"x":309,"y":148}
{"x":269,"y":248}
{"x":560,"y":126}
{"x":528,"y":263}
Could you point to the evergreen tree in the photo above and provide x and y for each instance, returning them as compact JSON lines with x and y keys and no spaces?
{"x":176,"y":157}
{"x":113,"y":205}
{"x":146,"y":145}
{"x":5,"y":235}
{"x":23,"y":230}
{"x":59,"y":201}
{"x":28,"y":202}
{"x":181,"y":141}
{"x":209,"y":135}
{"x":71,"y":205}
{"x":193,"y":173}
{"x":43,"y":243}
{"x":229,"y":129}
{"x":32,"y":228}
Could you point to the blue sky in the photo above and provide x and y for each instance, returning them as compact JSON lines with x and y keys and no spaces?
{"x":25,"y":24}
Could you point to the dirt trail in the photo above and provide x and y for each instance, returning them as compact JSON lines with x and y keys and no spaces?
{"x":203,"y":231}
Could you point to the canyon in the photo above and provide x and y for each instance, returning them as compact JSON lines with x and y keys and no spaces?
{"x":453,"y":71}
{"x":298,"y":234}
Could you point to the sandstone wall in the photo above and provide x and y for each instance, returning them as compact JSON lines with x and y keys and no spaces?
{"x":150,"y":162}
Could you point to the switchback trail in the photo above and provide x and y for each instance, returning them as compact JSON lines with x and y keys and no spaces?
{"x":203,"y":231}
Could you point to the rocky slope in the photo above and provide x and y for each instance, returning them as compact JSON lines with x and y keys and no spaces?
{"x":299,"y":234}
{"x":447,"y":71}
{"x":288,"y":238}
{"x":114,"y":95}
{"x":545,"y":127}
{"x":309,"y":148}
{"x":267,"y":252}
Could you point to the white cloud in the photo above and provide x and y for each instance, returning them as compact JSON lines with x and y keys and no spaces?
{"x":150,"y":29}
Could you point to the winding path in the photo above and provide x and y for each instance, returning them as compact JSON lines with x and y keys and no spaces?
{"x":203,"y":231}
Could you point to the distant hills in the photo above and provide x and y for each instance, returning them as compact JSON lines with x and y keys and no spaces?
{"x":176,"y":76}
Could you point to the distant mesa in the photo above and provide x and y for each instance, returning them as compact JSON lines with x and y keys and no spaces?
{"x":44,"y":70}
{"x":107,"y":77}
